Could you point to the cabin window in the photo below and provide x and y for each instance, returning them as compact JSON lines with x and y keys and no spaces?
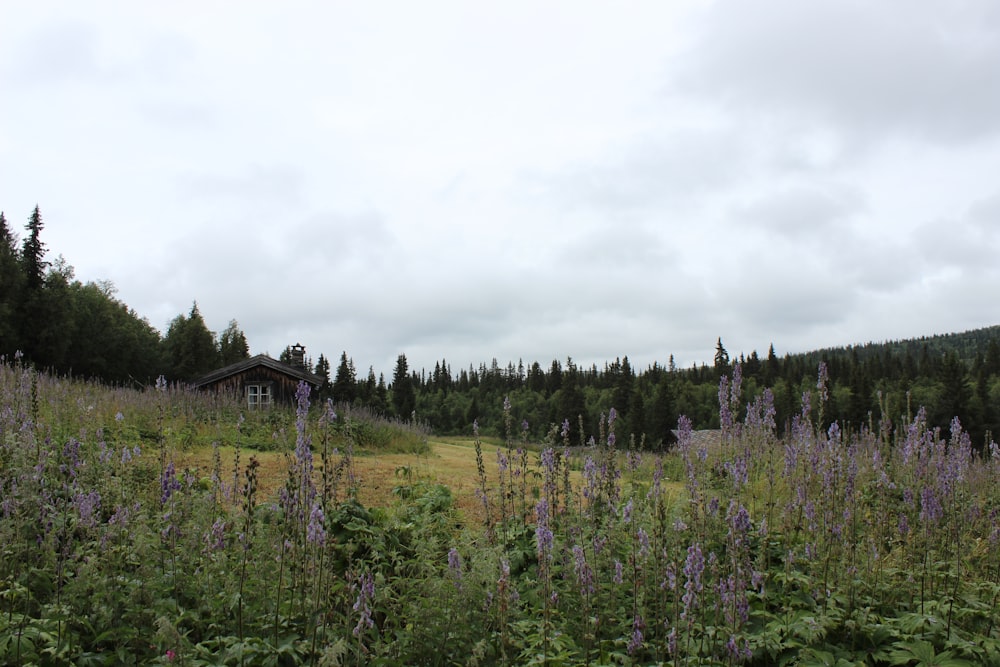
{"x":258,"y":396}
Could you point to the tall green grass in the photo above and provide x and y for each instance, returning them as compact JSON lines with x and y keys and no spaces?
{"x":821,"y":548}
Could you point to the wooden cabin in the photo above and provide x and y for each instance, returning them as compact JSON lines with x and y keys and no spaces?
{"x":263,"y":381}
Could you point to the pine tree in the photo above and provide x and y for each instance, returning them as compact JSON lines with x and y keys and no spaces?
{"x":322,"y":369}
{"x":48,"y":319}
{"x":345,"y":384}
{"x":11,"y":280}
{"x":33,"y":253}
{"x":190,"y":346}
{"x":721,"y":359}
{"x":34,"y":307}
{"x":621,"y":398}
{"x":381,"y":403}
{"x":536,"y":378}
{"x":571,"y":403}
{"x":233,"y":345}
{"x":772,"y":367}
{"x":404,"y":398}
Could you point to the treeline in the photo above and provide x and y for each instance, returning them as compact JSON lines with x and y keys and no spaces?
{"x":59,"y":324}
{"x":67,"y":327}
{"x":951,"y":376}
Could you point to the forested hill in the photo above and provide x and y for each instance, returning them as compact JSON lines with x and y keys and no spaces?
{"x":954,"y":375}
{"x":967,"y":345}
{"x":58,"y":324}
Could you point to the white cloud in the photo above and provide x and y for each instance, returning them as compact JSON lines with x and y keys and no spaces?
{"x":518,"y":181}
{"x":927,"y":70}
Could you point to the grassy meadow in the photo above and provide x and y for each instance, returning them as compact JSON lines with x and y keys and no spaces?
{"x":162,"y":526}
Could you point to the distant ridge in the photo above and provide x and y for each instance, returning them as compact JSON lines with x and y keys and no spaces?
{"x":966,"y":344}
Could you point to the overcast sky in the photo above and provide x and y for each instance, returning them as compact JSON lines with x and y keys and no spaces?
{"x":517,"y":180}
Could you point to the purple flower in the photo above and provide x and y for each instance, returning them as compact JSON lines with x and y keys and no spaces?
{"x":739,"y":471}
{"x":670,"y":580}
{"x":215,"y":537}
{"x":549,"y":460}
{"x":822,"y":382}
{"x":88,"y":505}
{"x":122,"y":515}
{"x":71,"y":453}
{"x":543,"y":533}
{"x":316,"y":530}
{"x":365,"y":585}
{"x":635,"y":641}
{"x":738,"y":650}
{"x":455,"y":566}
{"x":618,"y":578}
{"x":656,"y":488}
{"x":168,"y":483}
{"x":633,"y":460}
{"x":643,"y":542}
{"x":627,"y":512}
{"x":725,"y":414}
{"x":592,"y":476}
{"x":713,"y":506}
{"x":584,"y":573}
{"x":930,"y":507}
{"x":694,"y":566}
{"x":672,"y":642}
{"x":739,"y":523}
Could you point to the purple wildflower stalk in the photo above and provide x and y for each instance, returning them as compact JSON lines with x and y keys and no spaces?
{"x":482,"y":490}
{"x":636,"y":638}
{"x":455,"y":567}
{"x":584,"y":573}
{"x":365,"y":586}
{"x":316,"y":529}
{"x":694,"y":566}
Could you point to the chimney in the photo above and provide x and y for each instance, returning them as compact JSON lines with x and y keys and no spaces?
{"x":297,"y":355}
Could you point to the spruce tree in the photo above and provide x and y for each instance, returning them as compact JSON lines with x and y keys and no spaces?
{"x":33,"y":253}
{"x":404,"y":398}
{"x":11,"y":280}
{"x":721,"y":359}
{"x":571,"y":403}
{"x":190,"y":347}
{"x":345,"y":384}
{"x":233,"y":346}
{"x":322,"y":369}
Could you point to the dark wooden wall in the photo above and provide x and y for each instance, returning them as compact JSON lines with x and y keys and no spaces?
{"x":283,"y":387}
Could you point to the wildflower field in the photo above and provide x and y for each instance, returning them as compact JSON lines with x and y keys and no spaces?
{"x":823,"y":547}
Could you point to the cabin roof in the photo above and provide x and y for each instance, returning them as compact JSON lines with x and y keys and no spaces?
{"x":254,"y":362}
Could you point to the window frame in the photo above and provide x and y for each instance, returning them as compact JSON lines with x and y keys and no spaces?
{"x":259,"y":395}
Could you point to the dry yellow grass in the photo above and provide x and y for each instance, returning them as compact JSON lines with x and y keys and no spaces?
{"x":451,"y":463}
